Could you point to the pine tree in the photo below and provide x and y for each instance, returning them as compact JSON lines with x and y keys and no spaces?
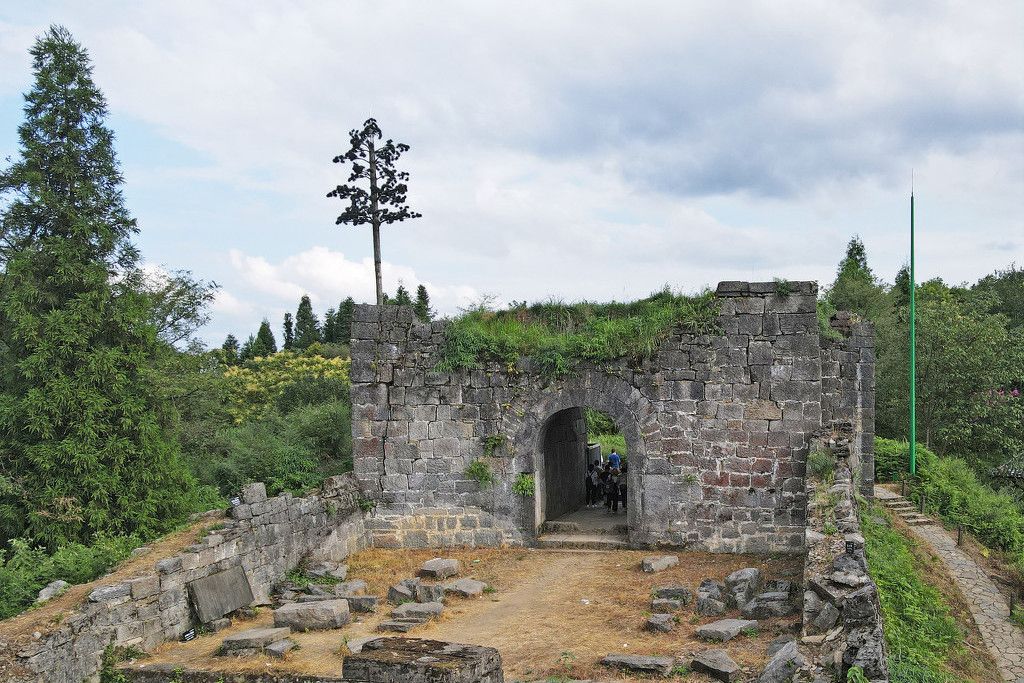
{"x":289,"y":332}
{"x":382,"y":201}
{"x":230,"y":349}
{"x":402,"y":297}
{"x":265,"y":343}
{"x":82,"y":428}
{"x":422,"y":306}
{"x":330,"y":326}
{"x":856,"y":288}
{"x":307,"y":327}
{"x":344,"y":320}
{"x":247,"y":351}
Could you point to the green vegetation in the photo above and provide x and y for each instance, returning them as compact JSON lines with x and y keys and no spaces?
{"x":821,"y":464}
{"x":558,"y":336}
{"x":481,"y":472}
{"x":25,"y":570}
{"x":602,"y":430}
{"x":524,"y":485}
{"x":920,"y":632}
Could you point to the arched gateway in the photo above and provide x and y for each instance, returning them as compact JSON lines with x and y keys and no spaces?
{"x":717,"y":428}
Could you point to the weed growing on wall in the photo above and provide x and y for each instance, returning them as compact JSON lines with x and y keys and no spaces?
{"x":524,"y":485}
{"x":558,"y":336}
{"x":481,"y":472}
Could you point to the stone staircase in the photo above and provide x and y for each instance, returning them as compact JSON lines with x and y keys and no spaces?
{"x":563,"y":535}
{"x":904,"y":509}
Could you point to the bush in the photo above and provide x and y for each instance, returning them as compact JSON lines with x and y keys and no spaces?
{"x":25,"y":570}
{"x":920,"y":631}
{"x":558,"y":336}
{"x":892,"y":459}
{"x":611,"y":441}
{"x":952,"y":489}
{"x":821,"y":464}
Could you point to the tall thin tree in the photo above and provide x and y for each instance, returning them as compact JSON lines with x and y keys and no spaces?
{"x":383,"y":199}
{"x":83,"y":431}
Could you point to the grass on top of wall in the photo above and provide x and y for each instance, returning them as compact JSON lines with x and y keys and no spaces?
{"x":558,"y":336}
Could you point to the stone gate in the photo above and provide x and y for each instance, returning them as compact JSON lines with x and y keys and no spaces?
{"x":718,"y":428}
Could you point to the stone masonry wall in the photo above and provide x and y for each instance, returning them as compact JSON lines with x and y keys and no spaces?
{"x":848,"y":391}
{"x":717,"y":429}
{"x":267,"y":537}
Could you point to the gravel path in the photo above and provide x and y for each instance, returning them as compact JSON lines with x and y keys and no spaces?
{"x":991,"y":613}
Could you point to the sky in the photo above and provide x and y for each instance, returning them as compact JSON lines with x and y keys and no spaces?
{"x":574,"y":150}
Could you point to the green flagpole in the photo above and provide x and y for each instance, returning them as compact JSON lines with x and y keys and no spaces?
{"x":913,"y":347}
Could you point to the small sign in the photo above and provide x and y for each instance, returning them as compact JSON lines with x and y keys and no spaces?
{"x":188,"y":635}
{"x":851,"y":547}
{"x":235,"y":501}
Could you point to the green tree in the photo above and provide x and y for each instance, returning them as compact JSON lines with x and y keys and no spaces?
{"x":422,"y":305}
{"x":856,"y":288}
{"x":246,"y":352}
{"x":1008,"y":287}
{"x":331,"y":326}
{"x":307,"y":327}
{"x":382,"y":200}
{"x":289,"y":332}
{"x":264,"y":344}
{"x":402,"y":297}
{"x":230,"y":349}
{"x":344,"y":320}
{"x":179,"y":303}
{"x":82,"y":428}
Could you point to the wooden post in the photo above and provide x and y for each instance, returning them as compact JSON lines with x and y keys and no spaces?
{"x":903,"y":487}
{"x":959,"y":535}
{"x":922,"y":502}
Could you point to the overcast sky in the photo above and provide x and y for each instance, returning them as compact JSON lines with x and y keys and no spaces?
{"x":568,"y":149}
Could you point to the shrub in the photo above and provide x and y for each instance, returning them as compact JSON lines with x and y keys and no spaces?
{"x":821,"y":464}
{"x":524,"y":485}
{"x":481,"y":472}
{"x":558,"y":336}
{"x":892,"y":459}
{"x":952,"y":489}
{"x":285,"y":379}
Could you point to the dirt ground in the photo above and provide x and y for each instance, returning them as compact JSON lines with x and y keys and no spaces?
{"x":551,"y":613}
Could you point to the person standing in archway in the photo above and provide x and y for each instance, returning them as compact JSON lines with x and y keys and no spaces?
{"x":589,"y":482}
{"x":614,"y":460}
{"x":613,"y":490}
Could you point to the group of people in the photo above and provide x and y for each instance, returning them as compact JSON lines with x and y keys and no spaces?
{"x":608,"y":482}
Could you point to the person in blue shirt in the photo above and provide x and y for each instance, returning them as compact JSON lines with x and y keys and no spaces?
{"x":614,"y":460}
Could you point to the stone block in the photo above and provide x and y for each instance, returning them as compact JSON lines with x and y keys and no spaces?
{"x":658,"y":563}
{"x":718,"y":665}
{"x":418,"y":610}
{"x":641,"y":664}
{"x":255,"y":492}
{"x":783,"y":664}
{"x":466,"y":588}
{"x":660,"y":623}
{"x":725,"y":630}
{"x":110,"y":593}
{"x":219,"y":594}
{"x":254,"y":638}
{"x":313,"y":616}
{"x":413,"y":660}
{"x":440,"y":568}
{"x":279,"y":649}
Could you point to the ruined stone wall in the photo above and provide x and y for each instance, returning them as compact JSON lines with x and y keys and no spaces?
{"x":267,"y":537}
{"x":848,"y":392}
{"x":717,"y":428}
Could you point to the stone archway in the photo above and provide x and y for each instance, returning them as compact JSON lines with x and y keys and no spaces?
{"x":623,"y":403}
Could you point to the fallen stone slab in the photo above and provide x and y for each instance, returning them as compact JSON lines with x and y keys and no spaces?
{"x":219,"y":594}
{"x":361,"y":603}
{"x":717,"y":664}
{"x":414,"y":659}
{"x":640,"y":663}
{"x":665,"y":606}
{"x":313,"y":616}
{"x":400,"y":594}
{"x":109,"y":593}
{"x":674,"y":591}
{"x":724,"y":630}
{"x":356,"y":644}
{"x":421,"y":610}
{"x":768,"y":605}
{"x":279,"y":649}
{"x":218,"y":625}
{"x":778,"y":642}
{"x":329,"y":570}
{"x":466,"y":588}
{"x":52,"y":590}
{"x":399,"y":625}
{"x":660,"y":623}
{"x":254,"y":638}
{"x":783,"y":664}
{"x":354,"y":587}
{"x":426,"y":592}
{"x":440,"y":568}
{"x":742,"y":585}
{"x":658,"y":563}
{"x":711,"y":598}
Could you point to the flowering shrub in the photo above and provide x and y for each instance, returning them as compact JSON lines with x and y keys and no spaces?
{"x":256,"y":387}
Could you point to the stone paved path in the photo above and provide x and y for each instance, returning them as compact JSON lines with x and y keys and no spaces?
{"x":991,"y":613}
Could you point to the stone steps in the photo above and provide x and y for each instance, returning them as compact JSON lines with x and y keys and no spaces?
{"x":581,"y":541}
{"x":906,"y":511}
